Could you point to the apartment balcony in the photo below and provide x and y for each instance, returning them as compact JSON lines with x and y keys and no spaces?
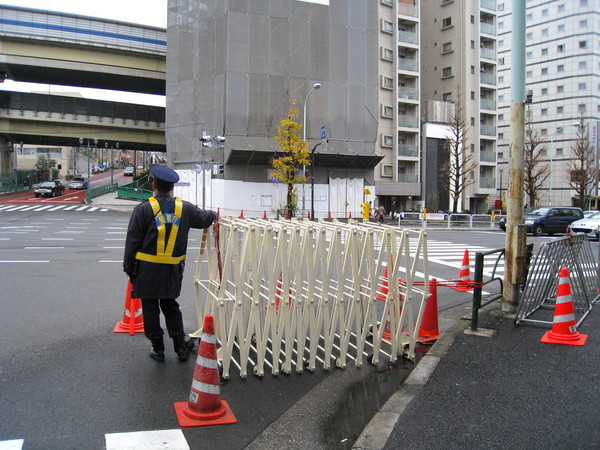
{"x":487,"y":130}
{"x":488,"y":4}
{"x":487,"y":156}
{"x":411,"y":65}
{"x":408,"y":10}
{"x":407,"y":178}
{"x":408,"y":150}
{"x":408,"y":93}
{"x":488,"y":104}
{"x":408,"y":37}
{"x":408,"y":121}
{"x":487,"y":182}
{"x":487,"y":53}
{"x":488,"y":78}
{"x":487,"y":28}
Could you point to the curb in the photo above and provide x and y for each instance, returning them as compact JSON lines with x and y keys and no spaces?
{"x":377,"y":432}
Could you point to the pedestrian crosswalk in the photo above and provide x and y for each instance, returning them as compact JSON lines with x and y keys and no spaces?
{"x":51,"y":207}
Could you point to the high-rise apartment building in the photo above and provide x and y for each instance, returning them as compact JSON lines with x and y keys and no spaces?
{"x":563,"y":76}
{"x":458,"y":64}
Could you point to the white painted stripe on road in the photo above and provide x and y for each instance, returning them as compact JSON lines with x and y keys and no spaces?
{"x":111,"y":261}
{"x":69,"y":208}
{"x":116,"y":232}
{"x":121,"y":247}
{"x":151,"y":440}
{"x":13,"y":444}
{"x":2,"y":207}
{"x":26,"y":261}
{"x":56,"y":208}
{"x":83,"y":208}
{"x":30,"y":207}
{"x":4,"y":239}
{"x":16,"y":208}
{"x":92,"y":208}
{"x":37,"y":248}
{"x":69,"y":232}
{"x":57,"y":239}
{"x":41,"y":208}
{"x":114,"y":239}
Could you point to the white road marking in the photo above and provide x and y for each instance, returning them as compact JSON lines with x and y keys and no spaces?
{"x":148,"y":440}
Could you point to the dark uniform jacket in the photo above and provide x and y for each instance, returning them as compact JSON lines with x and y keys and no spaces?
{"x":151,"y":279}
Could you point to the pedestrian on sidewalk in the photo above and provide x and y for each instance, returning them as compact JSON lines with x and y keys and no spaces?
{"x":380,"y":213}
{"x":154,"y":258}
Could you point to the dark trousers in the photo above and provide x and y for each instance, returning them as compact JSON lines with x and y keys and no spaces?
{"x":151,"y":309}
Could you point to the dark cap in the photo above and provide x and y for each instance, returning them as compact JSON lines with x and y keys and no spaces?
{"x":165,"y":174}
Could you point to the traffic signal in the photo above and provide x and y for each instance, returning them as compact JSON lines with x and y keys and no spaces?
{"x":365,"y":210}
{"x":221,"y":169}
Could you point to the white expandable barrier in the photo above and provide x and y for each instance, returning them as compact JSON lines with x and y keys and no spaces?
{"x":294,"y":293}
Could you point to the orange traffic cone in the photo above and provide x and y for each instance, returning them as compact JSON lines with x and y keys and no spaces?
{"x":133,"y":308}
{"x":218,"y":212}
{"x":350,"y":215}
{"x":205,"y":406}
{"x":564,"y":329}
{"x":329,"y":215}
{"x":464,"y":276}
{"x":264,"y":214}
{"x":382,"y":295}
{"x":429,"y":330}
{"x":308,"y":215}
{"x":242,"y":214}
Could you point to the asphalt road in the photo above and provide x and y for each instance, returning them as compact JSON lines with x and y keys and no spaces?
{"x":68,"y":380}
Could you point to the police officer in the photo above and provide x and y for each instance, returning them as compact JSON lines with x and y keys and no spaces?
{"x":155,"y":251}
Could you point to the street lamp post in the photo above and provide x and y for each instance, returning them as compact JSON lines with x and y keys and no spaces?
{"x":315,"y":86}
{"x":312,"y":181}
{"x":552,"y":151}
{"x":89,"y":185}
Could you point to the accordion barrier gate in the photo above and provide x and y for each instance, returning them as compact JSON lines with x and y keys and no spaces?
{"x":294,"y":294}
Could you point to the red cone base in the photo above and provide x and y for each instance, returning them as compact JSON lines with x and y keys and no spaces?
{"x":576,"y":338}
{"x":188,"y":417}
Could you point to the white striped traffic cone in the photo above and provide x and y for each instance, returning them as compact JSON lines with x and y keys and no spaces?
{"x":564,"y":330}
{"x":133,"y":318}
{"x":205,"y":406}
{"x":464,"y":276}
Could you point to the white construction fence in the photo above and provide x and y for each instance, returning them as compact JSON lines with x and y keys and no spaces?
{"x":293,"y":294}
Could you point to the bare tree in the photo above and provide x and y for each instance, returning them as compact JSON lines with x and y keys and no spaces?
{"x":456,"y":172}
{"x":581,"y":167}
{"x":536,"y":171}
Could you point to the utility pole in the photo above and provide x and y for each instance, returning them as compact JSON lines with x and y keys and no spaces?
{"x":516,"y":232}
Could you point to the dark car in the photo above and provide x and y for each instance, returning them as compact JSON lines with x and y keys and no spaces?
{"x":78,"y":183}
{"x":550,"y":219}
{"x":50,"y":188}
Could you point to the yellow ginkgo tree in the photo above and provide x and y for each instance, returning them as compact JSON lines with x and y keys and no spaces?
{"x":288,"y":167}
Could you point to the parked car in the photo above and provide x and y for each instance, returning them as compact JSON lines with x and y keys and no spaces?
{"x":128,"y":172}
{"x":78,"y":183}
{"x":550,"y":220}
{"x":589,"y":225}
{"x":50,"y":188}
{"x":589,"y":213}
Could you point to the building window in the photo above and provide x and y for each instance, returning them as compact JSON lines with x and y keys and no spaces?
{"x":561,"y":28}
{"x":500,"y":135}
{"x":501,"y":43}
{"x":583,"y":2}
{"x":582,"y":44}
{"x":387,"y":140}
{"x":501,"y":61}
{"x":545,"y":32}
{"x":529,"y":74}
{"x":544,"y":52}
{"x":544,"y":111}
{"x":529,"y":17}
{"x":501,"y":77}
{"x":472,"y":18}
{"x":560,"y":89}
{"x":560,"y":109}
{"x":501,"y":7}
{"x":472,"y":95}
{"x":387,"y":111}
{"x":500,"y":117}
{"x":529,"y":36}
{"x":544,"y":132}
{"x":472,"y":121}
{"x":561,"y":8}
{"x":529,"y":55}
{"x":583,"y":24}
{"x":544,"y":91}
{"x":582,"y":64}
{"x":446,"y":72}
{"x":581,"y":108}
{"x":387,"y":170}
{"x":544,"y":13}
{"x":387,"y":83}
{"x":560,"y":48}
{"x":446,"y":47}
{"x":582,"y":86}
{"x":387,"y":27}
{"x":472,"y":70}
{"x":472,"y":44}
{"x":545,"y":71}
{"x":501,"y":98}
{"x":560,"y":68}
{"x":387,"y":54}
{"x":447,"y":22}
{"x":447,"y":96}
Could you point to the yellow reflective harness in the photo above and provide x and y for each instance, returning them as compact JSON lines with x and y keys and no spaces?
{"x":164,"y":248}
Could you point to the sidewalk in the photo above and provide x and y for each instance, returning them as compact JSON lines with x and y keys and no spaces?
{"x":504,"y":391}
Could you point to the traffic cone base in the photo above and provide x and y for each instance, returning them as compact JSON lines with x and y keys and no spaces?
{"x":121,"y":327}
{"x":429,"y":330}
{"x":576,"y":338}
{"x":188,"y":417}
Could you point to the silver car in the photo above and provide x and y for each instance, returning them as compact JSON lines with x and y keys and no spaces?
{"x":78,"y":183}
{"x":589,"y":225}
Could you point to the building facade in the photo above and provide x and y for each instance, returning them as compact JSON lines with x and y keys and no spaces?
{"x":563,"y":77}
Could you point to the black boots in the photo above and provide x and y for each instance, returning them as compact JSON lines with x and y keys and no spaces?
{"x":181,"y":348}
{"x":157,"y":352}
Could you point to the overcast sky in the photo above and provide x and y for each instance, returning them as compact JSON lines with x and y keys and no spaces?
{"x":147,"y":12}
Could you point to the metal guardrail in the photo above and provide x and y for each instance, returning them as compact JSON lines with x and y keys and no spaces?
{"x":450,"y":220}
{"x":11,"y":188}
{"x":574,"y":253}
{"x":98,"y":191}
